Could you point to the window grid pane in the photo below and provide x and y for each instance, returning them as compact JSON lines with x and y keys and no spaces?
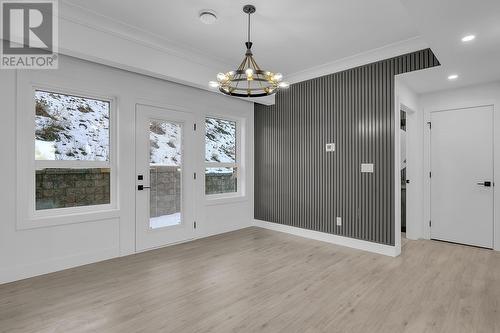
{"x":71,"y":128}
{"x":221,"y":180}
{"x":220,"y":141}
{"x":63,"y":188}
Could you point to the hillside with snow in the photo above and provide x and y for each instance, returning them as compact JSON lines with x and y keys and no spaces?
{"x":220,"y":141}
{"x":165,"y":143}
{"x":70,"y":127}
{"x":77,"y":128}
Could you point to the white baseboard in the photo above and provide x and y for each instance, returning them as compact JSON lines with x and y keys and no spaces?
{"x":19,"y":272}
{"x":49,"y":266}
{"x":387,"y":250}
{"x":26,"y":271}
{"x":206,"y":235}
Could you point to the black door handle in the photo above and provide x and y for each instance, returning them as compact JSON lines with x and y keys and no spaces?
{"x":485,"y":183}
{"x":142,"y":187}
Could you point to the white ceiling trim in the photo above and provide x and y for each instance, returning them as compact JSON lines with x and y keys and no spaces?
{"x":382,"y":53}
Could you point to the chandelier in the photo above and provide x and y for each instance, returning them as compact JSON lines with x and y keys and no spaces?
{"x":249,"y":80}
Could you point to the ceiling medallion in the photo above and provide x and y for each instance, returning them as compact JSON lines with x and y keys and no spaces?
{"x":249,"y":80}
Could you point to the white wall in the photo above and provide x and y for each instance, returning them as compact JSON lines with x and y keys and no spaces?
{"x":25,"y":253}
{"x":485,"y":94}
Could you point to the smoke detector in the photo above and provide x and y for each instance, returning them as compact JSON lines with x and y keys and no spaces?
{"x":208,"y":16}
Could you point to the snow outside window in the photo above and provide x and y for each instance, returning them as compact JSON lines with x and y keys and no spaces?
{"x":221,"y":159}
{"x":72,"y":151}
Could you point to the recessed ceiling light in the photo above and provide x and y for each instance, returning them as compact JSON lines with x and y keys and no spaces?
{"x":208,"y":16}
{"x":453,"y":77}
{"x":468,"y":38}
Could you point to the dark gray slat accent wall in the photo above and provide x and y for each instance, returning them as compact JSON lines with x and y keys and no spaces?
{"x":297,"y":183}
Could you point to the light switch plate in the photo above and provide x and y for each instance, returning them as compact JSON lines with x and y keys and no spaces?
{"x":367,"y":167}
{"x":330,"y":147}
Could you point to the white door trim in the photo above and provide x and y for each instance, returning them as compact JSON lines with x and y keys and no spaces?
{"x":397,"y":174}
{"x":496,"y":162}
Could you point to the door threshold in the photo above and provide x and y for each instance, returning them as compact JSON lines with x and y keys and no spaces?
{"x":166,"y":245}
{"x":456,"y":243}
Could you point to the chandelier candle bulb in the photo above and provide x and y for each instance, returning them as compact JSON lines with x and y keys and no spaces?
{"x":221,"y":77}
{"x":249,"y":80}
{"x":249,"y":73}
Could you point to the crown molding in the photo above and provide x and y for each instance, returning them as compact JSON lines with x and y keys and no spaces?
{"x":364,"y":58}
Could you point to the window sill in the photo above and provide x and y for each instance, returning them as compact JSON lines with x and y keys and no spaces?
{"x":212,"y":200}
{"x":35,"y":222}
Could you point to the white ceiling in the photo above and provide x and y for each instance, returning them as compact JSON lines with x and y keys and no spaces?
{"x":289,"y":36}
{"x":301,"y":39}
{"x":442,"y":24}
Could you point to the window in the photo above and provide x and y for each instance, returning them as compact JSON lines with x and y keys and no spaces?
{"x":221,"y":157}
{"x":72,"y":151}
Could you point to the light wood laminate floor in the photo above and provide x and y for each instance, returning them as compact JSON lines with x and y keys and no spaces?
{"x":256,"y":280}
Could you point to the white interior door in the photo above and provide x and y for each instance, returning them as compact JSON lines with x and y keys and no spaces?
{"x":164,"y":177}
{"x":462,"y":176}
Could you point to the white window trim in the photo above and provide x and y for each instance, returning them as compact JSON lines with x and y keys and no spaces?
{"x":239,"y":195}
{"x":27,"y":215}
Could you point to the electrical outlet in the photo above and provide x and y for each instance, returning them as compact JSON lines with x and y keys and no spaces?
{"x":339,"y":221}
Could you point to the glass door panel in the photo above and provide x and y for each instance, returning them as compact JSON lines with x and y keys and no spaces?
{"x":165,"y":174}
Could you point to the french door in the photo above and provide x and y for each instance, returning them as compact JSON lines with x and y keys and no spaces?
{"x":164,"y":177}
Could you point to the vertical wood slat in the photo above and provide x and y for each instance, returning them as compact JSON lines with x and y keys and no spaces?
{"x":298,"y":183}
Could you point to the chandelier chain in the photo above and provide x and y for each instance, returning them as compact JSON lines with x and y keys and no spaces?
{"x":249,"y":27}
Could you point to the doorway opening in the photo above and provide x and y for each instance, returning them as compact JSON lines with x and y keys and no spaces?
{"x":407,"y":171}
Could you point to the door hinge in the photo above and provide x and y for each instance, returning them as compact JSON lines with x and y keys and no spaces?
{"x":194,"y":175}
{"x":194,"y":126}
{"x":430,"y":124}
{"x":430,"y":223}
{"x":194,"y":224}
